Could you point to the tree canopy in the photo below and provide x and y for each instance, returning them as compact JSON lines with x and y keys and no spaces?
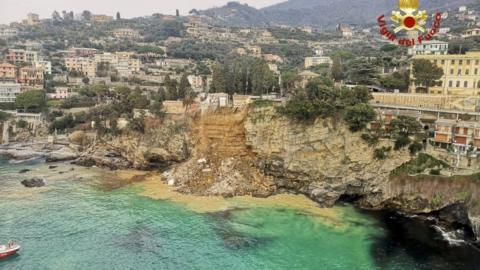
{"x":426,"y":73}
{"x":31,"y":101}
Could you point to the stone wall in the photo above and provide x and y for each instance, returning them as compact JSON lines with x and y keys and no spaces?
{"x":427,"y":101}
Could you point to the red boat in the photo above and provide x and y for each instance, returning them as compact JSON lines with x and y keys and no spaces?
{"x":8,"y":250}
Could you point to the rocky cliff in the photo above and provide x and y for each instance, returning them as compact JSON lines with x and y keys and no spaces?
{"x":328,"y":163}
{"x":163,"y":144}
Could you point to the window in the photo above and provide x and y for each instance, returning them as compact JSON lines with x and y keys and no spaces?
{"x":465,"y":84}
{"x":478,"y":84}
{"x":453,"y":62}
{"x":476,"y":71}
{"x":459,"y":72}
{"x":460,"y":62}
{"x":467,"y":72}
{"x":477,"y":62}
{"x":451,"y":71}
{"x":450,"y":84}
{"x":468,"y":62}
{"x":458,"y":84}
{"x":443,"y":62}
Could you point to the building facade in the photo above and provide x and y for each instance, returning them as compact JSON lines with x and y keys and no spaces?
{"x":7,"y":71}
{"x":317,"y":60}
{"x":126,"y":33}
{"x":429,"y":47}
{"x":30,"y":76}
{"x":461,"y":74}
{"x":9,"y":92}
{"x":475,"y":32}
{"x":86,"y":66}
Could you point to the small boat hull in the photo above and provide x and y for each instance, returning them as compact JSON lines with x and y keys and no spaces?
{"x":8,"y":253}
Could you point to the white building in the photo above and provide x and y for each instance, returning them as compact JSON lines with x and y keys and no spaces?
{"x":429,"y":47}
{"x":61,"y":93}
{"x":45,"y":65}
{"x":317,"y":60}
{"x":9,"y":92}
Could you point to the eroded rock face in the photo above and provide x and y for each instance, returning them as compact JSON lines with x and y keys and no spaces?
{"x":328,"y":163}
{"x":320,"y":160}
{"x":160,"y":147}
{"x":221,"y":163}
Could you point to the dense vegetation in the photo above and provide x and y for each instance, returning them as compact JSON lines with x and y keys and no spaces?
{"x":244,"y":75}
{"x":321,"y":99}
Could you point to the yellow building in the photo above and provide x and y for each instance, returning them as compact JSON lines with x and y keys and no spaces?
{"x":461,"y":74}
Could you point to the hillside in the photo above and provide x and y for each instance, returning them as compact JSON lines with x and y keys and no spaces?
{"x":316,"y":13}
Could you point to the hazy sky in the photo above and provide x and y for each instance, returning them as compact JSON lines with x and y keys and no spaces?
{"x":15,"y":10}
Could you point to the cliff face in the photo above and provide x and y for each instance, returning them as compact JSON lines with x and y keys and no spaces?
{"x":328,"y":163}
{"x":220,"y":163}
{"x":162,"y":145}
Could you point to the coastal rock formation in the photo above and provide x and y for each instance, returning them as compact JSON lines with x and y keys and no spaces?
{"x":162,"y":145}
{"x":220,"y":163}
{"x":328,"y":163}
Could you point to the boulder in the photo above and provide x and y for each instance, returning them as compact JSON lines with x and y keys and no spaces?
{"x":34,"y":182}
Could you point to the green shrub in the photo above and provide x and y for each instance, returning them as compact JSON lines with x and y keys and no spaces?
{"x":381,"y":153}
{"x":370,"y":139}
{"x":260,"y":103}
{"x":415,"y":147}
{"x":419,"y":165}
{"x":401,"y":142}
{"x":358,"y":116}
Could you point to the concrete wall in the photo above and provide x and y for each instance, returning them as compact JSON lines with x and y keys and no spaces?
{"x":428,"y":101}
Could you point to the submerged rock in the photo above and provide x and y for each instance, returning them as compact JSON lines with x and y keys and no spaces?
{"x":34,"y":182}
{"x":24,"y":171}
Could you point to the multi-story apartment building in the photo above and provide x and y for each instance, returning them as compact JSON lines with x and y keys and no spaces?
{"x":15,"y":56}
{"x":9,"y":91}
{"x":30,"y":76}
{"x":317,"y":60}
{"x":7,"y":71}
{"x":20,"y":55}
{"x":126,"y":33}
{"x":461,"y":133}
{"x":429,"y":47}
{"x":84,"y":65}
{"x":123,"y":62}
{"x":461,"y":74}
{"x":46,"y":66}
{"x":31,"y":56}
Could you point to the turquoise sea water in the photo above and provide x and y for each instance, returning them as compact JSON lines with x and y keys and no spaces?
{"x":73,"y":224}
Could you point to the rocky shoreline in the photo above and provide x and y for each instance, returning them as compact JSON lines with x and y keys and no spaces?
{"x":260,"y":154}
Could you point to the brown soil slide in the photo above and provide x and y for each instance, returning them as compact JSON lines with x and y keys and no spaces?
{"x":221,"y":163}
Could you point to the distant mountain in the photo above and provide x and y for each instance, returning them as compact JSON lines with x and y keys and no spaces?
{"x":316,"y":13}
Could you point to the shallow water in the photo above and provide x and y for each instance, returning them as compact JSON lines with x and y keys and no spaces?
{"x":73,"y":223}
